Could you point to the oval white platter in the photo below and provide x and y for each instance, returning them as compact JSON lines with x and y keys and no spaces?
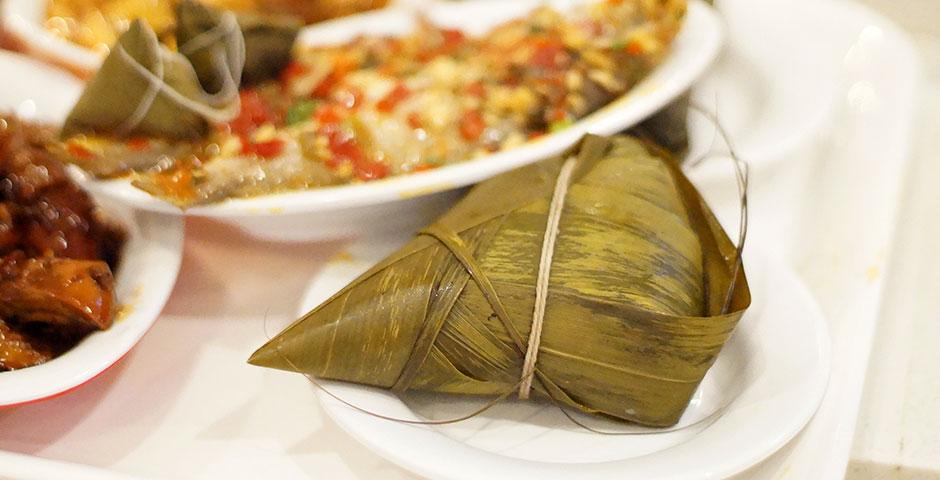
{"x":23,"y":20}
{"x":694,"y":49}
{"x":145,"y":276}
{"x":765,"y":386}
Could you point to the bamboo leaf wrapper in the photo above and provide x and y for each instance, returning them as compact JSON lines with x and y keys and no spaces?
{"x":144,"y":89}
{"x":635,"y":307}
{"x":119,"y":92}
{"x":268,"y":39}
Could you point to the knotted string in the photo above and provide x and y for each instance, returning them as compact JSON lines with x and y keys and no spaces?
{"x":219,"y":107}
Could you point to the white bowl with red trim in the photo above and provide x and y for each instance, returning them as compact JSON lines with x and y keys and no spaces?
{"x":22,"y":23}
{"x":407,"y":201}
{"x":145,"y":276}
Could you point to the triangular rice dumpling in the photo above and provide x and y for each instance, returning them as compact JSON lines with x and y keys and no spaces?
{"x":198,"y":31}
{"x":268,"y":39}
{"x":143,"y":89}
{"x":638,"y":303}
{"x":269,"y":42}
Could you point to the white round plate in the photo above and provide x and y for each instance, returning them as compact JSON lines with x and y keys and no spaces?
{"x":765,"y":386}
{"x":145,"y":276}
{"x":694,"y":49}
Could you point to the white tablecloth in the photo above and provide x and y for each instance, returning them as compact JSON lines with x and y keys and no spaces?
{"x":897,"y":435}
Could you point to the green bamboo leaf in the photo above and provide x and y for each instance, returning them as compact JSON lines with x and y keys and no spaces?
{"x":119,"y":92}
{"x":144,"y":89}
{"x":268,"y":39}
{"x":635,"y":311}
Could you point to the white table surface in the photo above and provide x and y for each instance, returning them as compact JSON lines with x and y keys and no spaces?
{"x":898,"y":432}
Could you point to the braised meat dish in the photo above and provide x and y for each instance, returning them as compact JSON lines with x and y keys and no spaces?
{"x":57,"y":252}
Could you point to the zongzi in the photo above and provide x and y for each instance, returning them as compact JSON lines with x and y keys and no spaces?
{"x":144,"y":90}
{"x":609,"y":251}
{"x":268,"y":41}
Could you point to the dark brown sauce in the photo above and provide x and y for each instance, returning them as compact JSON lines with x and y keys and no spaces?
{"x":57,"y":252}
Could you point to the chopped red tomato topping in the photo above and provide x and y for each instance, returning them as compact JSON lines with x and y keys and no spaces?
{"x":254,"y":113}
{"x":138,"y":143}
{"x":323,"y":89}
{"x":341,"y":66}
{"x":548,"y":54}
{"x":453,"y":38}
{"x":414,"y":120}
{"x":269,"y":149}
{"x":393,"y":98}
{"x":79,"y":151}
{"x":328,"y":115}
{"x":450,"y":41}
{"x":344,"y":148}
{"x":369,"y":170}
{"x":292,"y":71}
{"x":635,"y":48}
{"x":476,"y":89}
{"x":471,"y":125}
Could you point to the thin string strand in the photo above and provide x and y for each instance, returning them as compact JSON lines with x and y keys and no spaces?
{"x":146,"y":100}
{"x":218,"y":115}
{"x":556,"y":206}
{"x":488,"y":405}
{"x":742,"y":178}
{"x":156,"y":84}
